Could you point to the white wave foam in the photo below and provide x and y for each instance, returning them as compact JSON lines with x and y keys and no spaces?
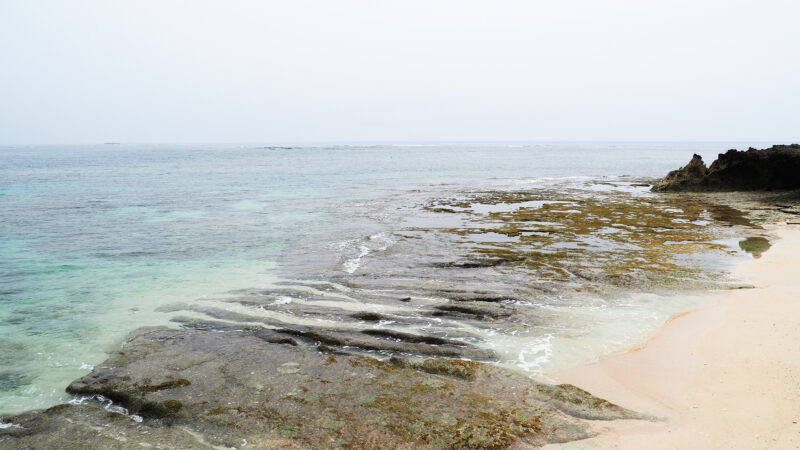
{"x":374,"y":243}
{"x":282,"y":300}
{"x":108,"y":405}
{"x":382,"y":238}
{"x":546,"y":180}
{"x":533,"y":358}
{"x":351,"y":265}
{"x":341,"y":245}
{"x":4,"y":426}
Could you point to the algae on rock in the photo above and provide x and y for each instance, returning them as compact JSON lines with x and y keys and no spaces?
{"x":224,"y":388}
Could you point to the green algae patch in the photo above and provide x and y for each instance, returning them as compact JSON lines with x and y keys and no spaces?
{"x":579,"y":403}
{"x":755,"y":245}
{"x":451,"y":367}
{"x":171,"y":407}
{"x":486,"y":427}
{"x":172,"y":384}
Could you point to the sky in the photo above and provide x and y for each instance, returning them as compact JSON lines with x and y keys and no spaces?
{"x":89,"y":71}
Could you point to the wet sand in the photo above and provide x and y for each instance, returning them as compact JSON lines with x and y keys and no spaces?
{"x":724,"y":376}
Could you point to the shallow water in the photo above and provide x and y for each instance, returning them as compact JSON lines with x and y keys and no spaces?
{"x":95,"y":241}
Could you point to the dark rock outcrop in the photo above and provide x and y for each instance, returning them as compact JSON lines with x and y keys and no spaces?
{"x":775,"y":168}
{"x":198,"y":388}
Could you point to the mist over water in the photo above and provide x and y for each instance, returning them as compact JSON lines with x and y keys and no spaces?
{"x":95,"y":239}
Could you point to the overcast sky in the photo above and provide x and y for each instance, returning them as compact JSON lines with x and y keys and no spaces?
{"x":277,"y":71}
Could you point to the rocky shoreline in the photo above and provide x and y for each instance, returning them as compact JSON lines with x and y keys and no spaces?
{"x":401,"y":359}
{"x":194,"y":388}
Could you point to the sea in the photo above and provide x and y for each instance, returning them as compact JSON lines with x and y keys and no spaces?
{"x":99,"y":240}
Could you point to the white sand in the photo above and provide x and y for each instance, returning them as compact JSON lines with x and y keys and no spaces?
{"x":725,"y":376}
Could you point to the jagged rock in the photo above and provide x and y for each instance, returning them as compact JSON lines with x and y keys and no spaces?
{"x":195,"y":388}
{"x":775,"y":168}
{"x":689,"y":175}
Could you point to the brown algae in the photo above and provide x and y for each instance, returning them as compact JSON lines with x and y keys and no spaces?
{"x":613,"y":238}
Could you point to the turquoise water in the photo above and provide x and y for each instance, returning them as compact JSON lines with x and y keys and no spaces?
{"x":93,"y":239}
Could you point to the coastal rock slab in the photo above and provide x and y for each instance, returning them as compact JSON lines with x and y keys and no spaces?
{"x":775,"y":168}
{"x":231,"y":388}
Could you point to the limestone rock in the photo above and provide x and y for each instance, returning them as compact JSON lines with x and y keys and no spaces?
{"x":194,"y":386}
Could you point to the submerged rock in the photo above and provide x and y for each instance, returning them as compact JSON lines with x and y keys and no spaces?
{"x":755,"y":245}
{"x":775,"y":168}
{"x":200,"y":387}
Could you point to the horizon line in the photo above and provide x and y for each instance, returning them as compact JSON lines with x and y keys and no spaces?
{"x":268,"y":143}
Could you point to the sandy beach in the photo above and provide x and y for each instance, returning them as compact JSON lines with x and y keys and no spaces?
{"x":724,"y":376}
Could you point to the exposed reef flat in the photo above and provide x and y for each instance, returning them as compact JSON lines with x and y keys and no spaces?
{"x":478,"y":275}
{"x":261,"y":389}
{"x":591,"y":241}
{"x":426,"y":343}
{"x":775,"y":168}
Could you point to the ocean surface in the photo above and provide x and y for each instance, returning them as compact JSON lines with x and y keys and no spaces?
{"x":98,"y":240}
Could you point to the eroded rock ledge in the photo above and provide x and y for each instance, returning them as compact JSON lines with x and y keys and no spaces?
{"x":196,"y":388}
{"x":775,"y":168}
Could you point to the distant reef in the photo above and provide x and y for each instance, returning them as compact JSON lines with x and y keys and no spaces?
{"x":775,"y":168}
